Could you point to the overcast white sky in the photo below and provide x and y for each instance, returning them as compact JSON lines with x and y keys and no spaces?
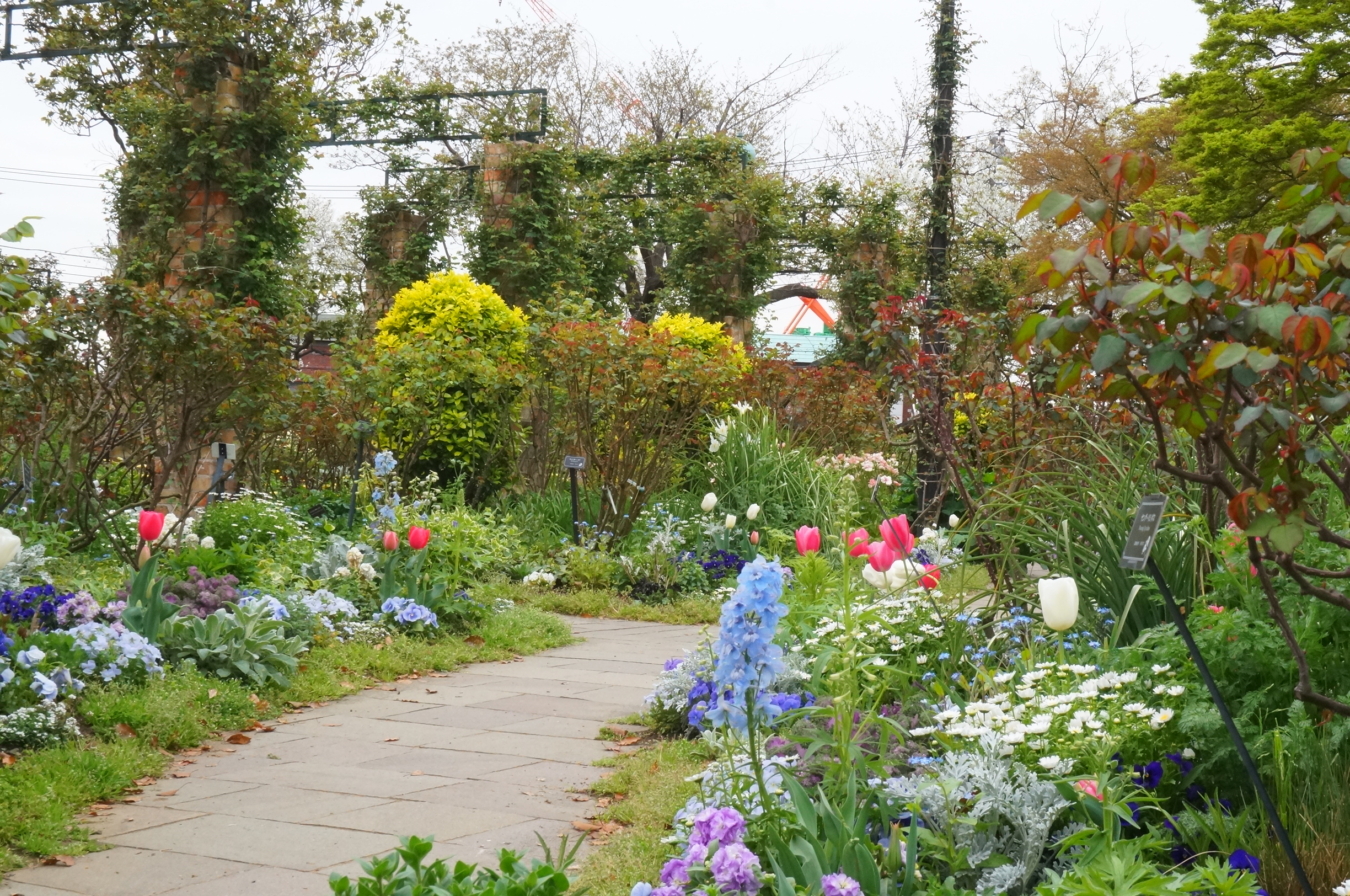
{"x":47,"y":172}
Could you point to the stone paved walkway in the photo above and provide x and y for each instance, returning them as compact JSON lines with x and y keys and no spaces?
{"x":481,"y":759}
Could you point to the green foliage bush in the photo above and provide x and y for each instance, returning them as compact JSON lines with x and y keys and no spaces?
{"x":248,"y":520}
{"x":243,"y":643}
{"x":402,"y":872}
{"x":442,"y":376}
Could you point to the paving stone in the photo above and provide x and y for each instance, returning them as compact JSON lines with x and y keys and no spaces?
{"x":470,"y":717}
{"x":542,"y":800}
{"x":332,"y":779}
{"x":126,"y":872}
{"x":302,"y":847}
{"x":543,"y":773}
{"x":260,"y":881}
{"x":438,"y":820}
{"x":569,"y":707}
{"x":406,"y":732}
{"x":534,"y":746}
{"x":281,"y":803}
{"x":556,"y":726}
{"x":445,"y":763}
{"x":123,"y":819}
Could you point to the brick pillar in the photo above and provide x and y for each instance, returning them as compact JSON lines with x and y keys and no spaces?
{"x":393,"y":229}
{"x":193,"y":482}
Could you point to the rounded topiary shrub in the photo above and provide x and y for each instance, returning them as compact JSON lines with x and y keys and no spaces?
{"x":446,"y":368}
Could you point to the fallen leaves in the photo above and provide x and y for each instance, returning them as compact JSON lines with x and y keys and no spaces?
{"x":346,"y":684}
{"x":145,"y":782}
{"x":239,"y":738}
{"x":417,"y":774}
{"x":124,"y":730}
{"x":181,"y":775}
{"x":627,"y":741}
{"x":173,"y":792}
{"x":390,"y":740}
{"x":475,"y":640}
{"x":7,"y":759}
{"x":211,"y":694}
{"x":64,"y":861}
{"x":430,"y":691}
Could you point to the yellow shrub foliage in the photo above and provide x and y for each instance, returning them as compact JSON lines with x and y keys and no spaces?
{"x":700,"y":334}
{"x":452,"y":304}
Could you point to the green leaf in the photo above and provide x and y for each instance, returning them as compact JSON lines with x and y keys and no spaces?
{"x":1261,"y":525}
{"x":1195,"y":244}
{"x":1271,"y":318}
{"x":1140,"y":292}
{"x":1334,"y":404}
{"x":1110,"y":349}
{"x":1053,"y":205}
{"x":1286,"y":537}
{"x":1233,"y":353}
{"x":1261,"y":361}
{"x":1180,"y":292}
{"x":1096,"y":269}
{"x":1162,"y":358}
{"x":1318,"y":220}
{"x":1094,"y":209}
{"x":1249,"y":415}
{"x":1065,"y":260}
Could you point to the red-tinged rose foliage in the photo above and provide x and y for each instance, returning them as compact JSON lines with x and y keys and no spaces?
{"x":837,"y":407}
{"x":1237,"y":344}
{"x":632,"y":399}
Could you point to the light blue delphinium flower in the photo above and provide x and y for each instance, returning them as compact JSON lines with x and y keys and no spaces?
{"x":44,"y":687}
{"x":747,"y":658}
{"x":385,"y":463}
{"x":30,"y":657}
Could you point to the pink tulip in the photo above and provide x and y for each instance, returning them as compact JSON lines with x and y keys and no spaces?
{"x":856,"y":542}
{"x":1088,"y":786}
{"x":151,"y":525}
{"x":808,"y":540}
{"x":931,"y":576}
{"x":895,"y":532}
{"x":418,"y":537}
{"x":390,"y":541}
{"x":754,"y":538}
{"x":881,"y":556}
{"x":1216,"y":608}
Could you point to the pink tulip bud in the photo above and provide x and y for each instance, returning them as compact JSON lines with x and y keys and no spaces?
{"x":150,"y":525}
{"x":808,"y":540}
{"x":1088,"y":786}
{"x":881,"y":556}
{"x":390,"y":541}
{"x":856,"y":542}
{"x":418,"y":537}
{"x":895,"y":532}
{"x":931,"y":576}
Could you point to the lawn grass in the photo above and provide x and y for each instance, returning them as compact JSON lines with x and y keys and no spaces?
{"x":134,"y":726}
{"x":606,"y":604}
{"x":652,"y":783}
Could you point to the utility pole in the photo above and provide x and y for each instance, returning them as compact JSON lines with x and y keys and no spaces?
{"x":935,"y":419}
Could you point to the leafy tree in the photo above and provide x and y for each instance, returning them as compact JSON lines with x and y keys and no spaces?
{"x":1270,"y":78}
{"x":1238,"y":351}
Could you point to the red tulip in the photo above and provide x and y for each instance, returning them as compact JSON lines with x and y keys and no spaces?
{"x":808,"y":540}
{"x":931,"y":576}
{"x":390,"y":541}
{"x":856,"y":542}
{"x":895,"y":532}
{"x":151,"y":525}
{"x":754,"y":538}
{"x":881,"y":556}
{"x":418,"y":537}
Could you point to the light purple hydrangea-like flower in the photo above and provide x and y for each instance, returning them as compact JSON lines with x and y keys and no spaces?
{"x":697,"y":853}
{"x":840,"y":885}
{"x":676,"y":871}
{"x":722,"y":825}
{"x":733,"y":867}
{"x":668,"y":891}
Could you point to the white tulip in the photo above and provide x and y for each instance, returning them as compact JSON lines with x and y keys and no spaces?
{"x":953,"y":521}
{"x":208,"y":542}
{"x":709,"y":502}
{"x":1059,"y":602}
{"x":902,"y":573}
{"x":873,"y":577}
{"x":752,"y":512}
{"x":9,"y":546}
{"x":731,"y":521}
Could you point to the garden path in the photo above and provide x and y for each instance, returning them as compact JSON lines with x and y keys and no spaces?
{"x":481,"y":759}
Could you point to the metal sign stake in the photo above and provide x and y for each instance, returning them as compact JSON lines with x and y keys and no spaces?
{"x":572,"y":464}
{"x":1137,"y":555}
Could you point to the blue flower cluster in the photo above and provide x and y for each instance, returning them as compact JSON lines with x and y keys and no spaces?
{"x":110,"y":653}
{"x":385,"y":464}
{"x":408,"y":612}
{"x":275,"y":608}
{"x":34,"y":607}
{"x":722,"y":564}
{"x":747,"y":659}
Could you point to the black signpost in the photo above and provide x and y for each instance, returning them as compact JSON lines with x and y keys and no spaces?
{"x":1136,"y":556}
{"x":573,"y":463}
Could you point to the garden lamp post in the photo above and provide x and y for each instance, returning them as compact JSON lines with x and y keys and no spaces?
{"x":363,"y":429}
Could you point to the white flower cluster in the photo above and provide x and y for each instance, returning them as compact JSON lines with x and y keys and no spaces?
{"x":1343,"y":889}
{"x":33,"y":727}
{"x":540,"y":578}
{"x":887,"y":625}
{"x":1032,"y":713}
{"x":111,"y":652}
